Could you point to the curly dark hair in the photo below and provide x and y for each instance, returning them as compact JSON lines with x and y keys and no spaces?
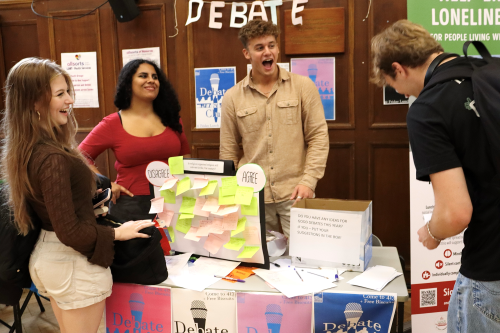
{"x":257,"y":28}
{"x":166,"y":104}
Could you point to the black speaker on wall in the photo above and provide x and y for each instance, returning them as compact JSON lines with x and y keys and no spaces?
{"x":125,"y":10}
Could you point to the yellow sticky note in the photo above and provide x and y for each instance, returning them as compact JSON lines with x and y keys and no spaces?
{"x":171,"y":233}
{"x":241,"y":226}
{"x":176,"y":165}
{"x":243,"y":195}
{"x":183,"y":185}
{"x":210,"y":188}
{"x":183,"y":225}
{"x":248,"y":251}
{"x":169,"y":196}
{"x":234,"y":243}
{"x":252,"y":209}
{"x":186,"y":216}
{"x":229,"y":200}
{"x":229,"y":184}
{"x":187,"y":205}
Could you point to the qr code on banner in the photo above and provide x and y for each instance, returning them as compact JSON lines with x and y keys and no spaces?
{"x":428,"y":297}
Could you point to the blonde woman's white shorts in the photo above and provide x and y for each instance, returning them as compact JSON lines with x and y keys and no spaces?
{"x":60,"y":272}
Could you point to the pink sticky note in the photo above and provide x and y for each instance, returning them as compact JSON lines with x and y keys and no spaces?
{"x":216,"y":227}
{"x":251,"y":235}
{"x":230,"y":221}
{"x":166,"y":216}
{"x":169,"y":183}
{"x":224,"y":210}
{"x":226,"y":235}
{"x":157,"y":205}
{"x":213,"y":243}
{"x":200,"y":202}
{"x":199,"y":183}
{"x":191,"y":234}
{"x":204,"y":228}
{"x":211,"y":204}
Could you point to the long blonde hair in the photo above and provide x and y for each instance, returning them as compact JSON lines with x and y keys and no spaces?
{"x":24,"y":127}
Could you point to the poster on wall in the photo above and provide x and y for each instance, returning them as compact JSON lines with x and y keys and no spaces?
{"x":392,"y":97}
{"x":211,"y":84}
{"x":266,"y":312}
{"x":433,"y":273}
{"x":204,"y":311}
{"x":322,"y":72}
{"x":354,"y":312}
{"x":82,"y":67}
{"x":136,"y":308}
{"x":454,"y":22}
{"x":148,"y":53}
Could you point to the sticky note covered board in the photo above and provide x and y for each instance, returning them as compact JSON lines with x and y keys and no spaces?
{"x":248,"y":251}
{"x":252,"y":209}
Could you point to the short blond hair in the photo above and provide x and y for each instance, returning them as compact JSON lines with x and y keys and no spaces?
{"x":257,"y":28}
{"x":403,"y":42}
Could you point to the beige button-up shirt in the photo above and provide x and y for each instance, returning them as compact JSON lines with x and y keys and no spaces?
{"x":286,"y":134}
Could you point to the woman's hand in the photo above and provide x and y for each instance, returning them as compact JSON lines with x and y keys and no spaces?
{"x":117,"y":189}
{"x":129,"y":230}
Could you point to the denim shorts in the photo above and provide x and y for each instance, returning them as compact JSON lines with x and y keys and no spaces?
{"x":474,"y":306}
{"x":60,"y":272}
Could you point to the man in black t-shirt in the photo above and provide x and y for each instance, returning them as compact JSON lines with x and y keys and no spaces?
{"x":451,"y":150}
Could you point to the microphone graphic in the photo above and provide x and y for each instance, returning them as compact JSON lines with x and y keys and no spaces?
{"x":199,"y":312}
{"x":136,"y":303}
{"x":273,"y":318}
{"x":214,"y":82}
{"x":352,"y":313}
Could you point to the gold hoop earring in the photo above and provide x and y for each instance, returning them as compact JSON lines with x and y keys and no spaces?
{"x":38,"y":115}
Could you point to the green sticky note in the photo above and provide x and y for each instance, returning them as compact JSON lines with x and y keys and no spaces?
{"x":234,"y":243}
{"x":183,"y":185}
{"x":241,"y":226}
{"x":248,"y":251}
{"x":243,"y":195}
{"x":229,"y":184}
{"x":183,"y":225}
{"x":186,"y":216}
{"x":187,"y":205}
{"x":252,"y":209}
{"x":210,"y":188}
{"x":229,"y":200}
{"x":171,"y":233}
{"x":169,"y":196}
{"x":176,"y":165}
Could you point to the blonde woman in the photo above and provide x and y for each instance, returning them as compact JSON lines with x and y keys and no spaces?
{"x":48,"y":176}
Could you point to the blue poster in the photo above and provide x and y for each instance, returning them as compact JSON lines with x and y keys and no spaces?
{"x":353,"y":312}
{"x":211,"y":85}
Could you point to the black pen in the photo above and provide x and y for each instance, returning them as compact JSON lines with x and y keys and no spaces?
{"x":275,"y":264}
{"x":298,"y":274}
{"x":326,"y":277}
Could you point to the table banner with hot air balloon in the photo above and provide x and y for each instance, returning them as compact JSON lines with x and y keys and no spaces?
{"x":322,"y":72}
{"x":274,"y":313}
{"x":354,"y":312}
{"x":209,"y":311}
{"x":134,"y":308}
{"x":211,"y":84}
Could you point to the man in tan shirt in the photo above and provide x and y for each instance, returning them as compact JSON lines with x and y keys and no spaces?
{"x":279,"y":118}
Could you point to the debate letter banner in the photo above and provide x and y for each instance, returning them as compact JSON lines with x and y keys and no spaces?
{"x":136,"y":308}
{"x":433,"y":273}
{"x":266,"y":312}
{"x":354,"y":312}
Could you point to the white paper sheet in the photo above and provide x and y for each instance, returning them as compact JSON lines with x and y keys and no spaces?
{"x":176,"y":263}
{"x":376,"y":277}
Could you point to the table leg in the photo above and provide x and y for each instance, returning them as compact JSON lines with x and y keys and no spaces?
{"x":401,"y":316}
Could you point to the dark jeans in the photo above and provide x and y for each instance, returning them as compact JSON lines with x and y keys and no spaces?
{"x":132,"y":208}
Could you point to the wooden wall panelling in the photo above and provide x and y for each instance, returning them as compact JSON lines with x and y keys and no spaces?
{"x":384,"y":13}
{"x":339,"y":179}
{"x":389,"y":189}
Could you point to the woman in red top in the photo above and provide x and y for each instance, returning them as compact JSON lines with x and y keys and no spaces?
{"x":147,"y":128}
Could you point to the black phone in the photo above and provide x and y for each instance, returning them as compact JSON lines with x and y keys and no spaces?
{"x":101,"y":198}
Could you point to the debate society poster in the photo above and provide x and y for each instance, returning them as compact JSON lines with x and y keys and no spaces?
{"x":211,"y":85}
{"x":322,"y":72}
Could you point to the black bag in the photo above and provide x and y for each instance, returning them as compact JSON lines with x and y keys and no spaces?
{"x":15,"y":249}
{"x":139,"y":260}
{"x":485,"y":77}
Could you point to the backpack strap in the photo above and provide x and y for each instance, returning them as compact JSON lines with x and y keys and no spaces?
{"x":435,"y":63}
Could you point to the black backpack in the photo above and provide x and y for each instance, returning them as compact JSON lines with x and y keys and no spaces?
{"x":15,"y":249}
{"x":485,"y":77}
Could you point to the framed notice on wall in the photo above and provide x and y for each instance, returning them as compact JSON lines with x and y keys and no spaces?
{"x":82,"y":67}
